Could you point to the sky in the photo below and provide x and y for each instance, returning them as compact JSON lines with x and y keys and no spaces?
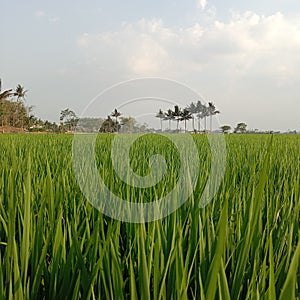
{"x":241,"y":55}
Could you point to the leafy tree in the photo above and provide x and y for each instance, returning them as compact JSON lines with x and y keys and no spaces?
{"x":240,"y":128}
{"x":109,"y":126}
{"x":116,"y":114}
{"x":225,"y":129}
{"x":68,"y":119}
{"x":161,"y":116}
{"x":89,"y":124}
{"x":13,"y":113}
{"x":128,"y":124}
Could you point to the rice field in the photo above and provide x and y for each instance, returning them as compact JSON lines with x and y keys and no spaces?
{"x":245,"y":244}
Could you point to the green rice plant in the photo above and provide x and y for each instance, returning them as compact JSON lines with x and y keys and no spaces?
{"x":244,"y":244}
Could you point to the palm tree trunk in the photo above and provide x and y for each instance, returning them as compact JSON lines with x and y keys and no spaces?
{"x":210,"y":123}
{"x":170,"y":124}
{"x":193,"y":121}
{"x":205,"y":124}
{"x":184,"y":126}
{"x":161,"y":124}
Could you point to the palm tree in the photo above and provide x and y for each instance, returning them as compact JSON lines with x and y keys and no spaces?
{"x":169,"y":116}
{"x":161,"y":116}
{"x":203,"y":115}
{"x":116,"y":114}
{"x":177,"y":115}
{"x":109,"y":126}
{"x":20,"y":92}
{"x":5,"y":94}
{"x":211,"y":112}
{"x":192,"y":108}
{"x":199,"y":108}
{"x":185,"y":115}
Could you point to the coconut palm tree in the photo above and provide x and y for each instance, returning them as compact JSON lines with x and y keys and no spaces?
{"x":185,"y":116}
{"x":161,"y":116}
{"x":177,"y":115}
{"x":169,"y":116}
{"x":116,"y":114}
{"x":199,"y":108}
{"x":5,"y":94}
{"x":203,"y":114}
{"x":20,"y":92}
{"x":211,"y":112}
{"x":192,"y":108}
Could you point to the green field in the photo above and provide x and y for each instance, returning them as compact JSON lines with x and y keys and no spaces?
{"x":245,"y":244}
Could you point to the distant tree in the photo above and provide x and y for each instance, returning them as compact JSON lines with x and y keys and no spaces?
{"x":169,"y":116}
{"x":193,"y":109}
{"x":177,"y":115}
{"x":199,"y":112}
{"x":5,"y":94}
{"x":128,"y":125}
{"x":68,"y":119}
{"x":211,"y":112}
{"x":116,"y":114}
{"x":109,"y":126}
{"x":161,"y":116}
{"x":185,"y":116}
{"x":240,"y":128}
{"x":13,"y":113}
{"x":89,"y":124}
{"x":20,"y":92}
{"x":203,"y":115}
{"x":225,"y":129}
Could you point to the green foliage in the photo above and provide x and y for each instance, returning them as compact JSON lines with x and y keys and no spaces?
{"x":225,"y":129}
{"x":68,"y":119}
{"x":243,"y":245}
{"x":13,"y":113}
{"x":109,"y":126}
{"x":240,"y":128}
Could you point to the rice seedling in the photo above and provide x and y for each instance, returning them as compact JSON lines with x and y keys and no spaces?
{"x":244,"y":244}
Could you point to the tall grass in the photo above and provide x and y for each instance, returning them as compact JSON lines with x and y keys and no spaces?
{"x":244,"y":244}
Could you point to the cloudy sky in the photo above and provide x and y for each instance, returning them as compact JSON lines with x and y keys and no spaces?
{"x":242,"y":55}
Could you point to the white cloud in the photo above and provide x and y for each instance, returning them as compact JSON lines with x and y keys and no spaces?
{"x":250,"y":57}
{"x":202,"y":4}
{"x":248,"y":43}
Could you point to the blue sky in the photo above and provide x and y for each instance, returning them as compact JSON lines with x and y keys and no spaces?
{"x":243,"y":55}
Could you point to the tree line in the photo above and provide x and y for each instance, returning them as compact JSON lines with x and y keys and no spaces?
{"x":15,"y":113}
{"x":194,"y":111}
